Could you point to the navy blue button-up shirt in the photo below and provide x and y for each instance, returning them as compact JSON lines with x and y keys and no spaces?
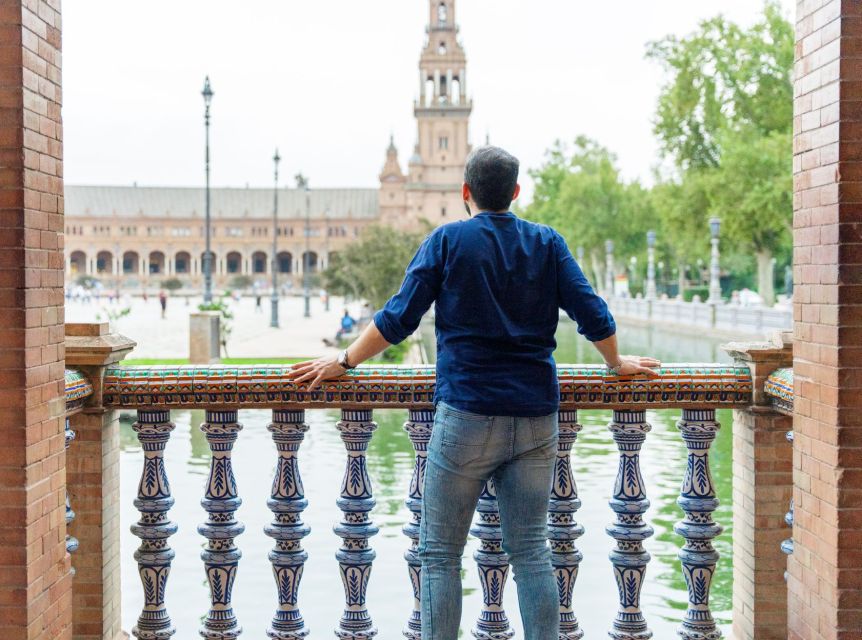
{"x":498,"y":282}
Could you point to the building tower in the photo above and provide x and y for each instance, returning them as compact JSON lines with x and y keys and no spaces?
{"x":436,"y":169}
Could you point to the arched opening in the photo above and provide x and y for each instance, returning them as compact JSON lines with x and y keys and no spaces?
{"x":233,"y":262}
{"x":258,"y":262}
{"x":455,"y":98}
{"x":157,"y":263}
{"x":131,"y":262}
{"x":182,"y":263}
{"x":441,"y":48}
{"x":105,"y":262}
{"x":285,"y":262}
{"x":442,"y":13}
{"x":429,"y":91}
{"x":309,"y":261}
{"x":78,"y":263}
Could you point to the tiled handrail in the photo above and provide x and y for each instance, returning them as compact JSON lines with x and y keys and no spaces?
{"x":78,"y":389}
{"x":779,"y":390}
{"x":370,"y":387}
{"x":223,"y":391}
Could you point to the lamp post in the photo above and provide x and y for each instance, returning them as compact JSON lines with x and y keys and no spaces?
{"x":273,"y":318}
{"x":714,"y":268}
{"x":609,"y":267}
{"x":302,"y":183}
{"x":650,"y":274}
{"x":207,"y":93}
{"x":326,"y":239}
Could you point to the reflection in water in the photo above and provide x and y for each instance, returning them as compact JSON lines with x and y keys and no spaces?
{"x":390,"y":462}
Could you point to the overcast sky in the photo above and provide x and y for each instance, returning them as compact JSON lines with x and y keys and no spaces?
{"x":328,"y":80}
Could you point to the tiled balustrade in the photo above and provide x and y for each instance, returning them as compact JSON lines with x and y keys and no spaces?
{"x":698,"y":390}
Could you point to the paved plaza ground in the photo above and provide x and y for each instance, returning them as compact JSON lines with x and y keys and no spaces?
{"x":252,"y":337}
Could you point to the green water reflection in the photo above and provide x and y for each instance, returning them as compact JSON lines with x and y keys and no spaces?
{"x":390,"y":460}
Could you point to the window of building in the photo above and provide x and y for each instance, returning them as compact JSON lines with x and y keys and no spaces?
{"x":444,"y":143}
{"x":233,"y":232}
{"x":443,"y":211}
{"x":181,"y":232}
{"x":442,"y":12}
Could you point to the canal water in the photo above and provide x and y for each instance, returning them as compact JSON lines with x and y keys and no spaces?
{"x":390,"y":462}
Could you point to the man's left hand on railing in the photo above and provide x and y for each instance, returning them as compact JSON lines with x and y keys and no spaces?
{"x":325,"y":368}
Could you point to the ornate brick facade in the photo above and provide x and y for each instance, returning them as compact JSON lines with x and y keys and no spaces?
{"x":35,"y":579}
{"x":825,"y":584}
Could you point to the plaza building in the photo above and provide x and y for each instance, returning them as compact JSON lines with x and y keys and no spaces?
{"x":138,"y":236}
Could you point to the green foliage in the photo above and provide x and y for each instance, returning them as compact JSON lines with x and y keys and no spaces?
{"x":87,"y":281}
{"x":372,"y":268}
{"x":724,"y":120}
{"x":241,"y":282}
{"x":689,"y":294}
{"x":225,"y":327}
{"x":172,"y":284}
{"x":723,"y":77}
{"x":113,"y":314}
{"x":580,"y":192}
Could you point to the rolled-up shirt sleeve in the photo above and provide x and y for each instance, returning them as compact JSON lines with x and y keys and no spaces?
{"x":578,"y":298}
{"x":401,"y":315}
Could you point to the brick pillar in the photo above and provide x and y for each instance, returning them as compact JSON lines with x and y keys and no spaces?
{"x":762,"y":486}
{"x":35,"y":582}
{"x":93,"y":478}
{"x":825,"y":582}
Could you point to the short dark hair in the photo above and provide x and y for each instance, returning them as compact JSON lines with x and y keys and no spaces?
{"x":492,"y":174}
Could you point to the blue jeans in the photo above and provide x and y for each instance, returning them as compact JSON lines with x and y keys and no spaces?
{"x":466,"y":450}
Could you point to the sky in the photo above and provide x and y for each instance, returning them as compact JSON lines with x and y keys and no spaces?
{"x":327,"y":81}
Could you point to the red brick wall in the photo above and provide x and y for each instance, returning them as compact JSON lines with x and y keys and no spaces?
{"x":825,"y":586}
{"x":35,"y":585}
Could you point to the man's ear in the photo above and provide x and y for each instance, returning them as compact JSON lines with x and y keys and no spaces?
{"x":465,"y":192}
{"x":517,"y":192}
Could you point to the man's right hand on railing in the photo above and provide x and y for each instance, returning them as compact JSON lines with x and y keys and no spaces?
{"x":635,"y":365}
{"x":625,"y":365}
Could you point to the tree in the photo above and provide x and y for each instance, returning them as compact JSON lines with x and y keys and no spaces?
{"x":723,"y":77}
{"x":372,"y":268}
{"x":753,"y":194}
{"x":724,"y":119}
{"x":582,"y":195}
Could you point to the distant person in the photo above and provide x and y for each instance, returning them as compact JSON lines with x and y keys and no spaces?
{"x":163,"y":301}
{"x":497,"y":282}
{"x":258,"y":299}
{"x":347,"y":324}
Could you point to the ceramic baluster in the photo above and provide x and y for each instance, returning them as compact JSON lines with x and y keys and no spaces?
{"x":355,"y":557}
{"x":154,"y":499}
{"x":629,"y":503}
{"x":287,"y":502}
{"x":221,"y":500}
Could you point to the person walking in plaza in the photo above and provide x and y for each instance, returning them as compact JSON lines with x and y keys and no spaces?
{"x":163,"y":302}
{"x":498,"y":283}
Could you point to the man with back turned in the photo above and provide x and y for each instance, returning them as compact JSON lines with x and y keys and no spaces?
{"x":497,"y":282}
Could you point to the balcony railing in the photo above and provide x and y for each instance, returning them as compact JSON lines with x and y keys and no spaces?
{"x":223,"y":391}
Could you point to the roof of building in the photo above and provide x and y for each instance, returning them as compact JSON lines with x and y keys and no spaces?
{"x":225,"y":203}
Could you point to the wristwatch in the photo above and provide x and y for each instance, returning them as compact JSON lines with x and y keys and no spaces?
{"x":614,"y":371}
{"x":343,"y":361}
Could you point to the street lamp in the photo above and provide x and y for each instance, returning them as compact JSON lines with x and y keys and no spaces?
{"x":302,"y":183}
{"x":650,"y":285}
{"x":609,"y":267}
{"x":273,"y":318}
{"x":207,"y":93}
{"x":326,"y":239}
{"x":714,"y":268}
